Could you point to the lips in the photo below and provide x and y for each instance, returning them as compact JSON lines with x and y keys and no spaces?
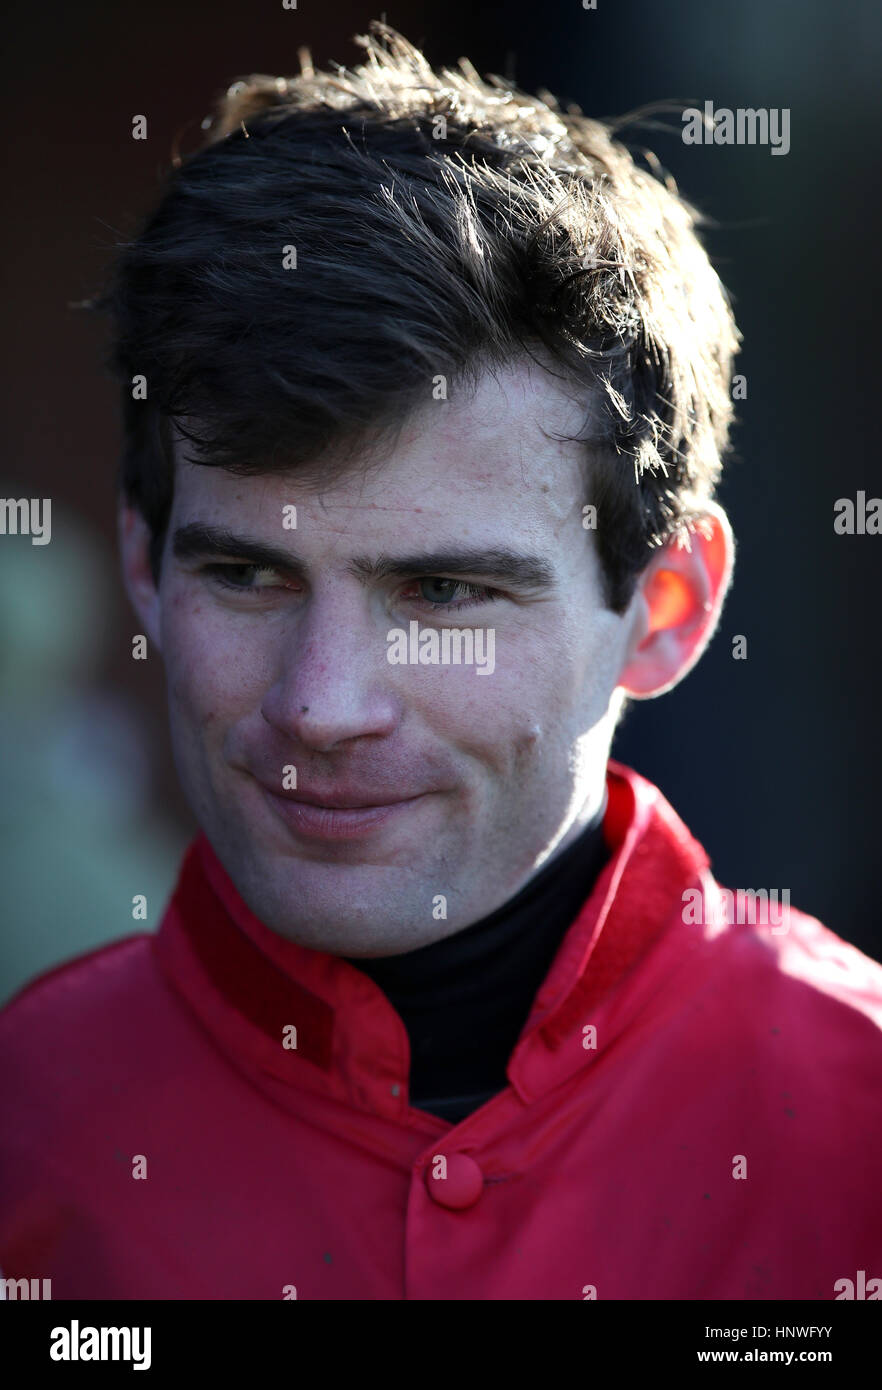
{"x":344,"y":814}
{"x":342,"y":798}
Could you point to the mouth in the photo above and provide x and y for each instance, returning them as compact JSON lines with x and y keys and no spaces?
{"x":339,"y":815}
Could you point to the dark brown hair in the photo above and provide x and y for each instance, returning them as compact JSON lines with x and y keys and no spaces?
{"x":440,"y":223}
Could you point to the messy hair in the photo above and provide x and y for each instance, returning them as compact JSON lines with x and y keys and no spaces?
{"x":440,"y":224}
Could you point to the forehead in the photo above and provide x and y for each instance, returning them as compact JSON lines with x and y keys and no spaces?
{"x":489,"y":456}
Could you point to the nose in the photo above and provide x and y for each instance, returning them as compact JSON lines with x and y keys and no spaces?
{"x":334,"y":682}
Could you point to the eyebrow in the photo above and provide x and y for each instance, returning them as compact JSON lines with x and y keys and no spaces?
{"x":514,"y":568}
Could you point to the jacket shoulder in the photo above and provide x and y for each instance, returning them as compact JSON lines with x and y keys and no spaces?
{"x":798,"y":967}
{"x":813,"y":953}
{"x":75,"y":983}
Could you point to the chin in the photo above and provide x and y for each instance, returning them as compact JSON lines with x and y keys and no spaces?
{"x":332,"y":907}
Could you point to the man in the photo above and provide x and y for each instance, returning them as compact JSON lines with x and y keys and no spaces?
{"x":426,"y":392}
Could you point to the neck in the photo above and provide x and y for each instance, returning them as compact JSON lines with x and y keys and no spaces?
{"x":464,"y":1000}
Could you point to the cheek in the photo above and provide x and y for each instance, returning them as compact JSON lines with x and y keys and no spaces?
{"x":501,"y":720}
{"x":212,"y":666}
{"x":536,"y":706}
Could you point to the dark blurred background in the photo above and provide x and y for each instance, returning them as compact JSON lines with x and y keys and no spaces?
{"x":772,"y":761}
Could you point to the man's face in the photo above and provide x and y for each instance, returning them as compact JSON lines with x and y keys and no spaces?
{"x":483,"y":774}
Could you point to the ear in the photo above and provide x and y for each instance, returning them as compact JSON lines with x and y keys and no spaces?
{"x":134,"y":545}
{"x":677,"y":605}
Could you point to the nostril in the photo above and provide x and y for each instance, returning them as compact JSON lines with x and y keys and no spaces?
{"x":304,"y":709}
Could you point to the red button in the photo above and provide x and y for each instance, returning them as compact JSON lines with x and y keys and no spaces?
{"x":461,"y":1187}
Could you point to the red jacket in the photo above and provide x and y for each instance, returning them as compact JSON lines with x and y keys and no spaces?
{"x":720,"y":1139}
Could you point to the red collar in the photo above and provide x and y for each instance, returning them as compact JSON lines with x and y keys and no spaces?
{"x":248,"y":984}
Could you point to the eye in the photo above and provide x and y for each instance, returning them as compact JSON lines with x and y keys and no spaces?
{"x":437,"y":592}
{"x":228,"y":576}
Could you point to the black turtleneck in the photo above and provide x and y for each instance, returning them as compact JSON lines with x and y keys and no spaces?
{"x":464,"y":1000}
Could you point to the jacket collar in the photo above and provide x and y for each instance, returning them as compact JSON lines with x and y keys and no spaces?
{"x":248,"y":985}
